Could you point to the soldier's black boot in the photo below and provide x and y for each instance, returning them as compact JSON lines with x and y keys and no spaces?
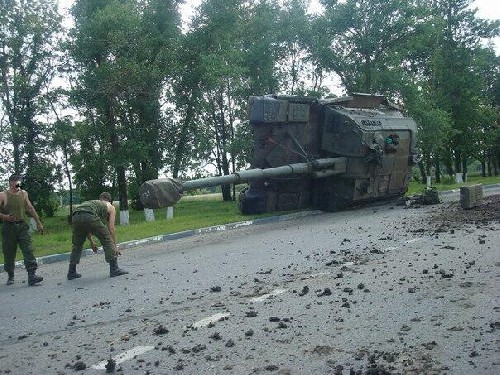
{"x":114,"y":270}
{"x":10,"y":279}
{"x":72,"y":274}
{"x":33,"y":278}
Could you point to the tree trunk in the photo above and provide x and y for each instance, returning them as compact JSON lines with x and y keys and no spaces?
{"x":494,"y":161}
{"x":423,"y":175}
{"x":226,"y":189}
{"x":448,"y":164}
{"x":122,"y":187}
{"x":464,"y":169}
{"x":68,"y":175}
{"x":437,"y":172}
{"x":182,"y":141}
{"x":16,"y":143}
{"x":427,"y":164}
{"x":119,"y":168}
{"x":458,"y":162}
{"x":368,"y":74}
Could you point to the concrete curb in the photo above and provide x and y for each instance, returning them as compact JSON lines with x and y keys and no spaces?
{"x":64,"y":257}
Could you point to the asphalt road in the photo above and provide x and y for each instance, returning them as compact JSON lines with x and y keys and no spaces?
{"x":373,"y":290}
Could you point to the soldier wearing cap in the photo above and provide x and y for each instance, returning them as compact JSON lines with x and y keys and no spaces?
{"x":14,"y":204}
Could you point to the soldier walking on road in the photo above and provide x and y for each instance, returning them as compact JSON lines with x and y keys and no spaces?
{"x":14,"y":203}
{"x":95,"y":217}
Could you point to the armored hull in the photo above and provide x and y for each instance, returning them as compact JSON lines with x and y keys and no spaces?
{"x":377,"y":142}
{"x":311,"y":153}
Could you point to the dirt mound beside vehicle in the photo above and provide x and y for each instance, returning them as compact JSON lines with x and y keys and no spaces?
{"x":452,"y":215}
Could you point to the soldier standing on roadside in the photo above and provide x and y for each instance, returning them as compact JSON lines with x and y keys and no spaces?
{"x":14,"y":203}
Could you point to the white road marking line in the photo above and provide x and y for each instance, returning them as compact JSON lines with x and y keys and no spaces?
{"x":413,"y":240}
{"x":390,"y":248}
{"x":315,"y":275}
{"x":210,"y":319}
{"x":268,"y":295}
{"x":125,"y":356}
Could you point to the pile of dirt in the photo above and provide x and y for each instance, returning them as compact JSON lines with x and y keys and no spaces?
{"x":452,"y":215}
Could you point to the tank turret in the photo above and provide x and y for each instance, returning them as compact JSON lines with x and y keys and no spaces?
{"x":311,"y":153}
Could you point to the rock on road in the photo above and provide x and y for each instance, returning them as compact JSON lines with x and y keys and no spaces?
{"x":378,"y":290}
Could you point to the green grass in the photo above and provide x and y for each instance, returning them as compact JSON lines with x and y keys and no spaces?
{"x":417,"y":187}
{"x":192,"y":212}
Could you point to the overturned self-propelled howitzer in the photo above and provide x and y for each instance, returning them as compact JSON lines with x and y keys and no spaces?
{"x":309,"y":153}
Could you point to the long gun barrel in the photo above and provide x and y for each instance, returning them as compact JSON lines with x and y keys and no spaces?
{"x":166,"y":192}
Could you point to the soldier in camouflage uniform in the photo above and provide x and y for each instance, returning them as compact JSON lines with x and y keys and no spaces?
{"x":95,"y":217}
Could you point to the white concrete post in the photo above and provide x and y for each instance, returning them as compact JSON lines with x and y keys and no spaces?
{"x":124,"y":218}
{"x":170,"y":213}
{"x":32,"y":225}
{"x":149,"y":214}
{"x":458,"y":178}
{"x":429,"y":183}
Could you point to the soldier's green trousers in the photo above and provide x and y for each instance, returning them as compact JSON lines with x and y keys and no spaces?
{"x":14,"y":234}
{"x":85,"y":223}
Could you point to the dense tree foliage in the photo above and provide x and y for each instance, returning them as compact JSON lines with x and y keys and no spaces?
{"x":147,"y":98}
{"x":457,"y":78}
{"x":28,"y":51}
{"x":365,"y":40}
{"x":123,"y":53}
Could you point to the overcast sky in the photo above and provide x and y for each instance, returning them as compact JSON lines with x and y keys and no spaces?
{"x":487,"y":9}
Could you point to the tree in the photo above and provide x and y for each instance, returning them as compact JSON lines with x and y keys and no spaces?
{"x":434,"y":128}
{"x":28,"y":46}
{"x":457,"y":76}
{"x":103,"y":32}
{"x":293,"y":32}
{"x":90,"y":161}
{"x":187,"y":95}
{"x":223,"y":77}
{"x":259,"y":44}
{"x":63,"y":140}
{"x":487,"y":130}
{"x":153,"y":65}
{"x":363,"y":39}
{"x":124,"y":50}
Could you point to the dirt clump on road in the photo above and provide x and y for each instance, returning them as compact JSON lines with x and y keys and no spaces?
{"x":452,"y":215}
